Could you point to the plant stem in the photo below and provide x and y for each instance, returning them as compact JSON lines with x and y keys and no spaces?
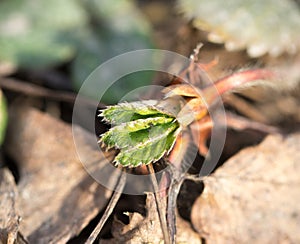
{"x":177,"y":178}
{"x":160,"y":205}
{"x":108,"y":211}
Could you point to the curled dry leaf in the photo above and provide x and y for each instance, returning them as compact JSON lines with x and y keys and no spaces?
{"x":57,"y":197}
{"x":148,"y":229}
{"x":254,"y":197}
{"x":9,"y":219}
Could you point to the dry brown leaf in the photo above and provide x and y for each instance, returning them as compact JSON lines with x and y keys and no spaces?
{"x":148,"y":229}
{"x":57,"y":197}
{"x":254,"y":197}
{"x":9,"y":219}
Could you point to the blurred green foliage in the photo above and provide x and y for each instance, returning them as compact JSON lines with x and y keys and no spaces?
{"x":3,"y":117}
{"x":269,"y":26}
{"x":38,"y":33}
{"x":117,"y":28}
{"x":41,"y":34}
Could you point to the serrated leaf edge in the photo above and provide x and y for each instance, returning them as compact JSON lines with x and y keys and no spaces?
{"x":117,"y":162}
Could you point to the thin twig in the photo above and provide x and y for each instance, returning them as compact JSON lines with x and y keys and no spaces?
{"x":109,"y":209}
{"x":171,"y":210}
{"x":161,"y":207}
{"x":241,"y":123}
{"x":34,"y":90}
{"x":245,"y":108}
{"x":177,"y":178}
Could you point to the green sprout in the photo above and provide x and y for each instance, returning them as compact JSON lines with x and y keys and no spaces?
{"x":145,"y":131}
{"x":142,"y":132}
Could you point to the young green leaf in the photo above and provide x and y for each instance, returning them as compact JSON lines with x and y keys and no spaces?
{"x":143,"y":133}
{"x":124,"y":135}
{"x":151,"y":150}
{"x":125,"y":112}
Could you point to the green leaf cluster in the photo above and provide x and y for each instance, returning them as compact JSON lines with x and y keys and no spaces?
{"x":142,"y":132}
